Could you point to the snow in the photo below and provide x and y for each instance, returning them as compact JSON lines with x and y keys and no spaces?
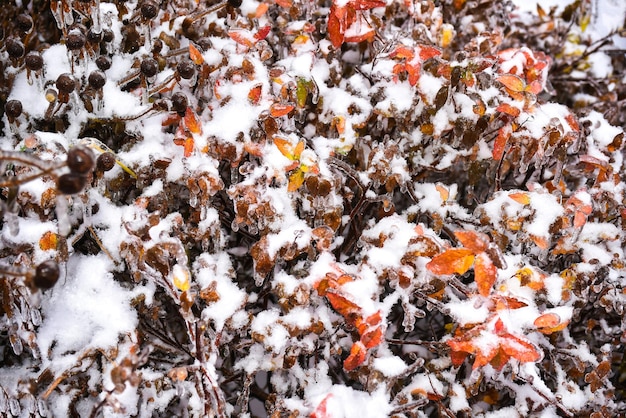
{"x":88,"y":312}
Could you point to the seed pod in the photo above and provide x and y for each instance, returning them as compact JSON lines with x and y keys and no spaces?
{"x":71,"y":183}
{"x":179,"y":103}
{"x":149,"y":67}
{"x":186,"y":69}
{"x":97,"y":79}
{"x":15,"y":48}
{"x":65,"y":83}
{"x":105,"y":161}
{"x":46,"y":274}
{"x":33,"y":61}
{"x":107,"y":35}
{"x":80,"y":160}
{"x":13,"y":109}
{"x":149,"y":10}
{"x":94,"y":37}
{"x":24,"y":23}
{"x":75,"y":40}
{"x":103,"y":62}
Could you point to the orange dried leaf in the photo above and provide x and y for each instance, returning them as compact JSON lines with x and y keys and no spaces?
{"x":475,"y":241}
{"x":547,"y":320}
{"x":285,"y":147}
{"x":195,"y":55}
{"x":356,"y":357}
{"x":541,"y":242}
{"x":242,"y":37}
{"x":342,"y":305}
{"x":261,"y":10}
{"x":280,"y":109}
{"x":508,"y":109}
{"x":254,"y":95}
{"x":512,"y":82}
{"x":49,"y":241}
{"x":191,"y":122}
{"x":443,"y":192}
{"x":455,"y":260}
{"x":507,"y":303}
{"x":520,"y":197}
{"x":519,"y":348}
{"x":372,"y":337}
{"x":485,"y":274}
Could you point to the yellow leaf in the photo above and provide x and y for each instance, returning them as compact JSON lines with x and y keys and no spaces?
{"x":295,"y":180}
{"x":180,"y":277}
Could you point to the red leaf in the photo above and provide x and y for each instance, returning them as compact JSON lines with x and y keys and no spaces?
{"x":475,"y":241}
{"x":320,"y":411}
{"x":402,"y":52}
{"x":356,"y":357}
{"x":413,"y":70}
{"x":499,"y":145}
{"x":367,"y":4}
{"x":335,"y":28}
{"x":572,"y":122}
{"x":427,"y":52}
{"x":485,"y":274}
{"x":455,"y":260}
{"x":458,"y":357}
{"x":262,"y":33}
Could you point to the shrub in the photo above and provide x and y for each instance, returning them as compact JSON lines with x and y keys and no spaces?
{"x":324,"y":209}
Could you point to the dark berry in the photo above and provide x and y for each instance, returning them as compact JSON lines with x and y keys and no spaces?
{"x":105,"y":161}
{"x":13,"y":108}
{"x":107,"y":35}
{"x":94,"y":37}
{"x":149,"y":67}
{"x":186,"y":69}
{"x":15,"y":48}
{"x":103,"y":63}
{"x":179,"y":103}
{"x":34,"y":61}
{"x":149,"y":9}
{"x":75,"y":40}
{"x":97,"y":79}
{"x":65,"y":83}
{"x":46,"y":274}
{"x":24,"y":23}
{"x":80,"y":160}
{"x":235,"y":3}
{"x":71,"y":183}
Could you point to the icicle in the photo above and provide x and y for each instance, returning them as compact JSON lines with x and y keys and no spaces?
{"x":63,"y":219}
